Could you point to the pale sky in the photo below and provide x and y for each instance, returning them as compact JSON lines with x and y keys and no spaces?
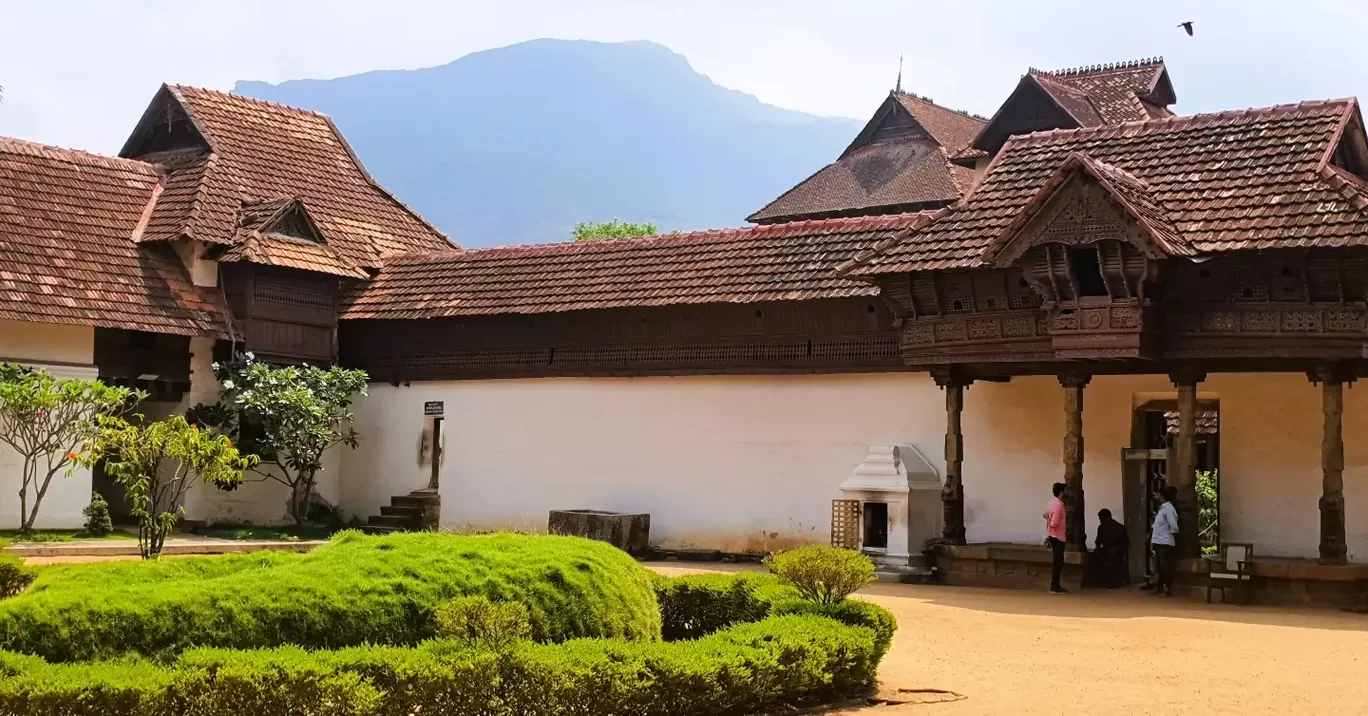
{"x":79,"y":72}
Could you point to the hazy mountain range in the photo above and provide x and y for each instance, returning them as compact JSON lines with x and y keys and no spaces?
{"x":517,"y":144}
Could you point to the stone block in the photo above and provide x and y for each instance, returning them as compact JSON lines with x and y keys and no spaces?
{"x":628,"y":532}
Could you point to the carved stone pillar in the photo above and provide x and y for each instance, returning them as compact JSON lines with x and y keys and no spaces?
{"x":1333,"y":549}
{"x":952,"y":494}
{"x":1182,"y":474}
{"x":1075,"y":508}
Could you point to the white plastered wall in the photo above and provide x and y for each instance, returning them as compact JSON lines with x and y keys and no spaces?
{"x":752,"y":462}
{"x":66,"y":352}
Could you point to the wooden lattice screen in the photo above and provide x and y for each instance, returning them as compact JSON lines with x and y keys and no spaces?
{"x":845,"y":524}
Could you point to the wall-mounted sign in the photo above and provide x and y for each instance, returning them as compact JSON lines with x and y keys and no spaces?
{"x":434,"y":408}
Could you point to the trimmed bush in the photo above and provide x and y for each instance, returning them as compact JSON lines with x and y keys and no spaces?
{"x":823,"y":574}
{"x":354,"y":590}
{"x":14,"y":576}
{"x":98,"y":522}
{"x":851,"y":612}
{"x":480,"y":621}
{"x":781,"y":662}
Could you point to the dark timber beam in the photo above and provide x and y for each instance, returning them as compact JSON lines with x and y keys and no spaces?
{"x":952,"y":494}
{"x":1333,"y":549}
{"x":1075,"y":508}
{"x":1182,"y":474}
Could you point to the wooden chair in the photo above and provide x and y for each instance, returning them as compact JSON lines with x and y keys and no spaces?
{"x":1233,"y":570}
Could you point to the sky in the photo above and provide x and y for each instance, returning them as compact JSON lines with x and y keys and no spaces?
{"x":78,"y":73}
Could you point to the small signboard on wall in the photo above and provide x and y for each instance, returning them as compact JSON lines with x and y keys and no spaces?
{"x":434,"y":408}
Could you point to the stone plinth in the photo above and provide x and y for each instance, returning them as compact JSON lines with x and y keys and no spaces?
{"x":628,"y":532}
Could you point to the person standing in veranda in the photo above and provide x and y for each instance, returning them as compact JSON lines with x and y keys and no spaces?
{"x":1055,"y":533}
{"x":1164,"y":541}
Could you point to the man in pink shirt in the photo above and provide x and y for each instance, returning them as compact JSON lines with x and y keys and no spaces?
{"x":1056,"y":531}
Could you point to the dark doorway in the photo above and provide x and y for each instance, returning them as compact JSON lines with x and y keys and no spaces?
{"x":876,"y":525}
{"x":120,"y":507}
{"x":435,"y":481}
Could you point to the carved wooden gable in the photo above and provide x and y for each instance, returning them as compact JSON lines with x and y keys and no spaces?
{"x":1080,"y":212}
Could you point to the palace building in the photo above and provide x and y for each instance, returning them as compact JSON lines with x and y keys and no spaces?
{"x":902,"y":352}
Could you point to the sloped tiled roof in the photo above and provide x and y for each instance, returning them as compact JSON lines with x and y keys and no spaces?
{"x":1105,"y":94}
{"x":68,"y":225}
{"x":200,"y":201}
{"x":1252,"y":179}
{"x":773,"y":262}
{"x":261,"y":150}
{"x":951,"y":128}
{"x":891,"y":174}
{"x":289,"y":252}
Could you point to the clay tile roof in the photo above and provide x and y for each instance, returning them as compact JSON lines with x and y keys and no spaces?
{"x":270,"y":150}
{"x":291,"y":252}
{"x":772,"y":262}
{"x":953,"y":129}
{"x":200,"y":200}
{"x":68,"y":225}
{"x":1105,"y":94}
{"x":1251,"y":179}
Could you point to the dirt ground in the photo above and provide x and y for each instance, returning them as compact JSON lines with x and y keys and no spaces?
{"x":1008,"y":652}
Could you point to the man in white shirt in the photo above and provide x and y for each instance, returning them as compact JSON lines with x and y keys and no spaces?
{"x":1163,"y":540}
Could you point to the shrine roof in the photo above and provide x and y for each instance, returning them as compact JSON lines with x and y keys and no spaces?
{"x":1228,"y":181}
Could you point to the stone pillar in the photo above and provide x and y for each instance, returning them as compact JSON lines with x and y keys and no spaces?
{"x":1333,"y":549}
{"x":952,"y":494}
{"x":1182,"y":474}
{"x":1075,"y":508}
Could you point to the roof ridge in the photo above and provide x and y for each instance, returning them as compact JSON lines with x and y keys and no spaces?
{"x":844,"y":224}
{"x":1084,"y":70}
{"x":932,"y":102}
{"x":51,"y":151}
{"x":245,"y":98}
{"x":1185,"y":119}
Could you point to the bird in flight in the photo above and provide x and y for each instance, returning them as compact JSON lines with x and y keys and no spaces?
{"x":1187,"y":27}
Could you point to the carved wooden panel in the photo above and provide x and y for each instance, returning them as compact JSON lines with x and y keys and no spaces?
{"x":845,"y":524}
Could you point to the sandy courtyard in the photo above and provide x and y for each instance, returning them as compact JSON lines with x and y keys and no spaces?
{"x":1015,"y":652}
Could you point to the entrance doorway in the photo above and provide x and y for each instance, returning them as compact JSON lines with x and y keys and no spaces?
{"x":1145,"y":472}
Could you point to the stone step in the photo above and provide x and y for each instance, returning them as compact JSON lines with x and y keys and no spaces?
{"x":399,"y":522}
{"x":412,"y":500}
{"x":410,"y":511}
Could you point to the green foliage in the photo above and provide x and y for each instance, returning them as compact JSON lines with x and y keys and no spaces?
{"x":1208,"y":510}
{"x":823,"y":574}
{"x":157,"y":463}
{"x":599,"y":230}
{"x":14,"y":576}
{"x":292,"y":415}
{"x":48,"y":421}
{"x":354,"y":590}
{"x":98,"y":522}
{"x":779,"y":663}
{"x":479,"y":621}
{"x":852,"y":612}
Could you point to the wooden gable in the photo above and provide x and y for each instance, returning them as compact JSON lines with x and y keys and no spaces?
{"x":1080,"y":212}
{"x":891,"y":123}
{"x":165,"y":125}
{"x":1028,"y":109}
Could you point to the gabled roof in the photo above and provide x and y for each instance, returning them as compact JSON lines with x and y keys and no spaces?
{"x":772,"y":262}
{"x":68,"y":253}
{"x":280,"y":232}
{"x":1251,"y":179}
{"x":1081,"y":97}
{"x":260,"y":150}
{"x":887,"y":171}
{"x":1132,"y":194}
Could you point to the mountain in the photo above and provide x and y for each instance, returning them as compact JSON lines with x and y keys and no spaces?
{"x":518,"y":144}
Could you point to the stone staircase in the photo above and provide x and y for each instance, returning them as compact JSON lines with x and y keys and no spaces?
{"x":917,"y":571}
{"x":418,"y":510}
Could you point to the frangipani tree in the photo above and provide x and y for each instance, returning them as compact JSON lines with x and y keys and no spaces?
{"x":157,"y":463}
{"x":290,"y":414}
{"x":48,"y":421}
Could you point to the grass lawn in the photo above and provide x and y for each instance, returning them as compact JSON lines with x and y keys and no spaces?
{"x":289,"y":533}
{"x":61,"y":536}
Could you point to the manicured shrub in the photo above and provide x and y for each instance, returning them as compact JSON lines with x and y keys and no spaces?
{"x":782,"y":662}
{"x":14,"y":576}
{"x":355,"y":590}
{"x":823,"y":574}
{"x":98,"y":522}
{"x":852,"y":612}
{"x":480,"y":621}
{"x":696,"y":605}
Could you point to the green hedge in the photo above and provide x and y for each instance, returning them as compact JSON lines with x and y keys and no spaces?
{"x":780,"y":662}
{"x":696,"y":605}
{"x":354,"y":590}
